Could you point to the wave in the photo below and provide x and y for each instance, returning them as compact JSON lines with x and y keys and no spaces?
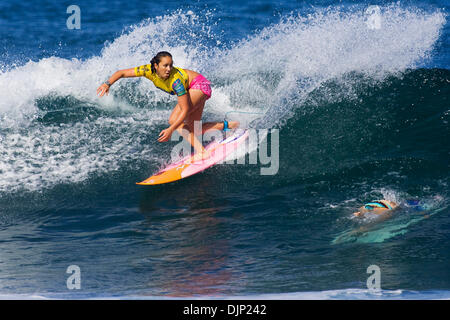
{"x":401,"y":119}
{"x":54,"y":129}
{"x":343,"y":294}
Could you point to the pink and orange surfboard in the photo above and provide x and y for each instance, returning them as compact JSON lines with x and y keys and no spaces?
{"x":186,"y":168}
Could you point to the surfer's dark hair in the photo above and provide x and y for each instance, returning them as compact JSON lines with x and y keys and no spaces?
{"x":156,"y":59}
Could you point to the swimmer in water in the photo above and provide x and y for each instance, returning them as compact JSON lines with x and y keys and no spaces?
{"x":379,"y":207}
{"x":383,"y":208}
{"x":192,"y":90}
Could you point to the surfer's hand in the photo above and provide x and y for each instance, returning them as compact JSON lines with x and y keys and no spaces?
{"x":165,"y":135}
{"x":104,"y":88}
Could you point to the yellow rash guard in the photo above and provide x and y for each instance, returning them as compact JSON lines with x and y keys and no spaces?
{"x":177,"y":83}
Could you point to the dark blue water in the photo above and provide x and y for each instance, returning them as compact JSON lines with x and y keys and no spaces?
{"x":362,"y":113}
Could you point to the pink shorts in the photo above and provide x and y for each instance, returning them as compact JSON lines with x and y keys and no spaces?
{"x":201,"y":83}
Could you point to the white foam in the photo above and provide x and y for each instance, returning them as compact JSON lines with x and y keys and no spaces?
{"x":343,"y":294}
{"x":301,"y":52}
{"x":271,"y":72}
{"x":42,"y":156}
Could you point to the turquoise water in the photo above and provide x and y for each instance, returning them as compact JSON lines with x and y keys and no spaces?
{"x":362,"y":114}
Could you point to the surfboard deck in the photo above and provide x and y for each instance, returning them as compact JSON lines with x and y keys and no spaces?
{"x":185,"y":167}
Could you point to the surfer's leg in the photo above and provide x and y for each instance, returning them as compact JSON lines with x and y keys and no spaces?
{"x":218,"y":125}
{"x":197,"y":101}
{"x":198,"y":98}
{"x":186,"y":131}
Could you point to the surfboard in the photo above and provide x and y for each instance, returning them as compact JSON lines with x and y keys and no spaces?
{"x":185,"y":167}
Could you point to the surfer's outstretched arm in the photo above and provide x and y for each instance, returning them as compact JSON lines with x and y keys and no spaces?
{"x":125,"y":73}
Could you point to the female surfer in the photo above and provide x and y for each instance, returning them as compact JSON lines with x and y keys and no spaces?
{"x":192,"y":90}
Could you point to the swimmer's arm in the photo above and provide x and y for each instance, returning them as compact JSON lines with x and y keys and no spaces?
{"x":125,"y":73}
{"x":360,"y":212}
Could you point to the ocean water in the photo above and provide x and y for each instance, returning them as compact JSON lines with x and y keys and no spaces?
{"x":358,"y":93}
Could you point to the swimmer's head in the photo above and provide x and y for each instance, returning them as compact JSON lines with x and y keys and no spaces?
{"x":162,"y":64}
{"x":377,"y":207}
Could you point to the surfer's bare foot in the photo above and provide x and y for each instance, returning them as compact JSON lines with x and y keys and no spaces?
{"x":202,"y":155}
{"x":233,"y":124}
